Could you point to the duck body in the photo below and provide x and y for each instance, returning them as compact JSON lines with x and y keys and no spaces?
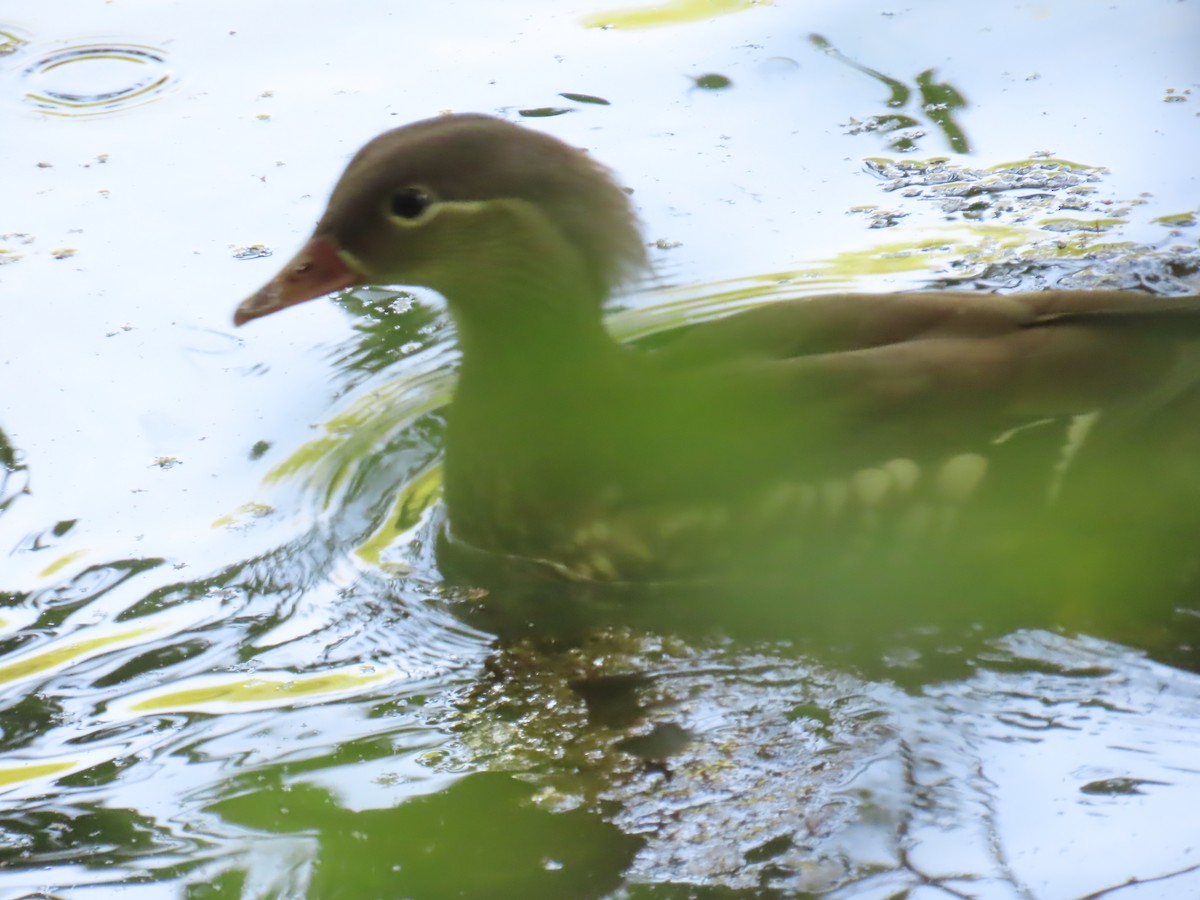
{"x":797,"y":427}
{"x":800,"y":426}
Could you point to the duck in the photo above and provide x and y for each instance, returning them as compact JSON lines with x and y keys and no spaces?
{"x":809,"y":428}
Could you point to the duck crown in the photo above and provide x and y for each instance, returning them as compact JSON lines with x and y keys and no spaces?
{"x":476,"y":158}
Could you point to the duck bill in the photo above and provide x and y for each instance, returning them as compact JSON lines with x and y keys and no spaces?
{"x":318,"y":269}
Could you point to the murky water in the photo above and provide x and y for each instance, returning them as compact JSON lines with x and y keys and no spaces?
{"x":229,"y":663}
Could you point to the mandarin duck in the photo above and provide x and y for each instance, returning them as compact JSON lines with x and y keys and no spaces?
{"x":794,"y":428}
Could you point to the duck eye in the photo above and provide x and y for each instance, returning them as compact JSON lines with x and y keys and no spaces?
{"x":410,"y":202}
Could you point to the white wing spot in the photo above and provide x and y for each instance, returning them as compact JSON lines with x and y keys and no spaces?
{"x":1077,"y":433}
{"x":834,"y":496}
{"x":917,"y":521}
{"x":870,"y":486}
{"x":960,"y":476}
{"x":904,"y":473}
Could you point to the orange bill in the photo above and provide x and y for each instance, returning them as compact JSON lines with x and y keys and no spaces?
{"x":315,"y":271}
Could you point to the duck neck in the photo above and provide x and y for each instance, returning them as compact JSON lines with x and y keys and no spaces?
{"x":525,"y":322}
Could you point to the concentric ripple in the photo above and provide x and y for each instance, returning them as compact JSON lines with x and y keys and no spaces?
{"x":97,"y":79}
{"x":10,"y":43}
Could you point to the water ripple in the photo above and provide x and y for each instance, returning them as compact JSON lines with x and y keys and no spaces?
{"x":11,"y":43}
{"x":97,"y":79}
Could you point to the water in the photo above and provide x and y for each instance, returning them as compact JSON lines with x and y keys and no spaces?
{"x":229,"y":663}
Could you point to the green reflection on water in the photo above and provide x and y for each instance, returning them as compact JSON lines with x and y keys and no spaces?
{"x":673,"y":12}
{"x":258,"y":691}
{"x":66,"y":653}
{"x":30,"y":771}
{"x":482,"y":837}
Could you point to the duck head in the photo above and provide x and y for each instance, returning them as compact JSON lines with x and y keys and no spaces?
{"x":460,"y":203}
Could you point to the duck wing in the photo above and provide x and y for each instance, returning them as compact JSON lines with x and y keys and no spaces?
{"x":1015,"y":356}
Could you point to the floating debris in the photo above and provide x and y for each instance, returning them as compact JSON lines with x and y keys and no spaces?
{"x":585,"y":98}
{"x":253,"y":251}
{"x":711,"y":82}
{"x":543,"y":112}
